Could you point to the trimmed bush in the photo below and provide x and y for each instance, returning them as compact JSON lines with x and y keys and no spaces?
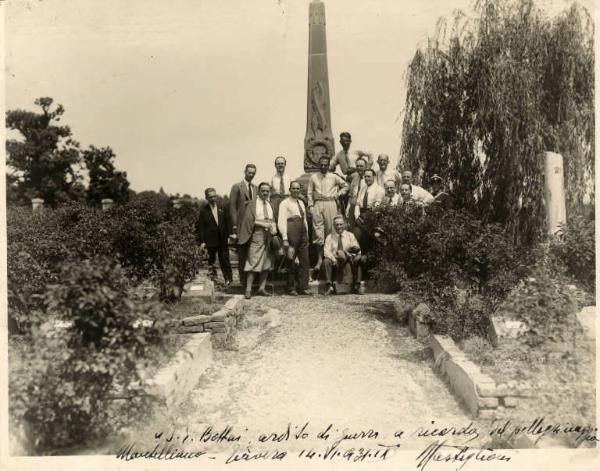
{"x":66,"y":392}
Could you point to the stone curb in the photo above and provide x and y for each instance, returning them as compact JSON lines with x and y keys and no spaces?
{"x":478,"y":391}
{"x":172,"y":383}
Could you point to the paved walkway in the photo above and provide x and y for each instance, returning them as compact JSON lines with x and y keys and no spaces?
{"x":341,"y":360}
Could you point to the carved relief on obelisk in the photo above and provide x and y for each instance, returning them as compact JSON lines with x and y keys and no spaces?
{"x":318,"y":140}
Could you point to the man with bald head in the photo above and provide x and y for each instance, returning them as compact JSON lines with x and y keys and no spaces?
{"x":386,"y":172}
{"x":391,"y":197}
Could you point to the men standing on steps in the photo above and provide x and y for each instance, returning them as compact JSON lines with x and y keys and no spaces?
{"x":391,"y":198}
{"x":280,"y":183}
{"x":293,"y":227}
{"x":386,"y":172}
{"x":357,"y":182}
{"x":324,"y":189}
{"x":418,"y":193}
{"x":341,"y":248}
{"x":241,"y":194}
{"x":213,"y":231}
{"x":346,"y":158}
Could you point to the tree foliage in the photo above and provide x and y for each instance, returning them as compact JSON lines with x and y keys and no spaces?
{"x":105,"y":180}
{"x":486,"y":97}
{"x":44,"y":161}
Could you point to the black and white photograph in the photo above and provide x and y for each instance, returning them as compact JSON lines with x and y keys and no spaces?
{"x":298,"y":234}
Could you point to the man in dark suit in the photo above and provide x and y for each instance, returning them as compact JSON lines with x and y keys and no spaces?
{"x":213,"y":232}
{"x":241,"y":194}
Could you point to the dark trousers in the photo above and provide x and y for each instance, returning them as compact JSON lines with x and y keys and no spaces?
{"x":298,"y":239}
{"x":242,"y":256}
{"x":338,"y":268}
{"x":223,"y":252}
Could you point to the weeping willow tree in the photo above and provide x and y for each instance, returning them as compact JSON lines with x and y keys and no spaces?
{"x":487,"y":96}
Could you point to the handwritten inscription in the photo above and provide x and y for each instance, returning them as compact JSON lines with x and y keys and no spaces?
{"x":442,"y":443}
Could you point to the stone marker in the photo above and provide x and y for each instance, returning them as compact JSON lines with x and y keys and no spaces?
{"x":107,"y":203}
{"x":587,"y":319}
{"x":37,"y":203}
{"x":554,"y":191}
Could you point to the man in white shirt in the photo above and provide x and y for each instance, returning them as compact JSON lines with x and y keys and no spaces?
{"x":370,"y":196}
{"x":341,"y":247}
{"x":293,"y":227}
{"x":280,"y":183}
{"x":391,"y":197}
{"x":386,"y":173}
{"x":324,"y":190}
{"x":418,"y":193}
{"x":357,"y":182}
{"x":346,"y":158}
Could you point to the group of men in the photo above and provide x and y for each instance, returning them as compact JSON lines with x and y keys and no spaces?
{"x":337,"y":203}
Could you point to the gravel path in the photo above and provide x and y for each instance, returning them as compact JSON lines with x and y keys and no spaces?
{"x":342,"y":360}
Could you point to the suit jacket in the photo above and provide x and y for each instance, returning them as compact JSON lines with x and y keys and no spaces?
{"x":208,"y":231}
{"x":247,"y":226}
{"x":238,"y":199}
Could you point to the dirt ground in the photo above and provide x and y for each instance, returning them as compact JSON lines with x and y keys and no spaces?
{"x":342,"y":360}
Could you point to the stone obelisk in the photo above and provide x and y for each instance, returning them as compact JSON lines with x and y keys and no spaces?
{"x":318,"y":140}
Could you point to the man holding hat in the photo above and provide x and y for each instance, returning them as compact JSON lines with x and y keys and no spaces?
{"x":341,"y":247}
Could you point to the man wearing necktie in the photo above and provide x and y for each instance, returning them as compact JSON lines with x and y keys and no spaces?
{"x":341,"y":248}
{"x":293,"y":227}
{"x":280,"y":183}
{"x":357,"y":182}
{"x":391,"y":197}
{"x":241,"y":194}
{"x":346,"y":158}
{"x":213,"y":230}
{"x":370,"y":196}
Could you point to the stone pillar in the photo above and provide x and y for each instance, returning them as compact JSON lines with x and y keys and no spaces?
{"x":107,"y":203}
{"x":318,"y":140}
{"x":554,"y":191}
{"x":37,"y":203}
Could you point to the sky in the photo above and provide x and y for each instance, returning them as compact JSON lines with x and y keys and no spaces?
{"x":187,"y":92}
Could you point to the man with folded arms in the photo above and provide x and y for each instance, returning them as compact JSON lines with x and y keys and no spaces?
{"x":293,"y":228}
{"x":324,"y":190}
{"x":341,"y":247}
{"x":346,"y":158}
{"x":386,"y":173}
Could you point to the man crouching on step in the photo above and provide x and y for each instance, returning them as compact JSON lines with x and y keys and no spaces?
{"x":341,"y":247}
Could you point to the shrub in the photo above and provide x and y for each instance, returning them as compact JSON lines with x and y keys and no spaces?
{"x":177,"y":258}
{"x":545,"y":303}
{"x":68,"y":394}
{"x":461,"y":266}
{"x":575,"y":247}
{"x":35,"y":249}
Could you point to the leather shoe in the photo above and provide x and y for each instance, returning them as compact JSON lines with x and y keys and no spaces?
{"x":303,"y":292}
{"x":329,"y":291}
{"x":293,"y":292}
{"x":262,"y":292}
{"x":247,"y":295}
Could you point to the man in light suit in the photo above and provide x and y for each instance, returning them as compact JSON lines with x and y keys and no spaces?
{"x":213,"y":231}
{"x":241,"y":194}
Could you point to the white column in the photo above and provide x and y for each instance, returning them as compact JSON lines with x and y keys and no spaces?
{"x":554,"y":193}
